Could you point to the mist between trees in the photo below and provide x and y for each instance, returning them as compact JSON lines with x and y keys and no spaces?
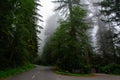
{"x":85,"y":39}
{"x":74,"y":47}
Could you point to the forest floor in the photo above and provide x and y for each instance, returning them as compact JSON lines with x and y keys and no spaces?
{"x":46,"y":73}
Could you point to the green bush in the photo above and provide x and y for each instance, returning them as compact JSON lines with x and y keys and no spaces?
{"x":111,"y":69}
{"x":72,"y":74}
{"x":14,"y":71}
{"x":87,"y":69}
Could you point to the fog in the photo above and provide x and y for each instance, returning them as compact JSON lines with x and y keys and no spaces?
{"x":51,"y":22}
{"x":49,"y":29}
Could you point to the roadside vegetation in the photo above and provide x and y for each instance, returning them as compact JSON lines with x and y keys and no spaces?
{"x":73,"y":74}
{"x":18,"y":36}
{"x":70,"y":48}
{"x":11,"y":72}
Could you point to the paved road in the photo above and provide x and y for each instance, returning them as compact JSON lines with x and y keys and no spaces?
{"x":45,"y":73}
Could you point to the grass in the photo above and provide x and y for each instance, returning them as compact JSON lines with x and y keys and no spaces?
{"x":11,"y":72}
{"x":72,"y":74}
{"x":114,"y":74}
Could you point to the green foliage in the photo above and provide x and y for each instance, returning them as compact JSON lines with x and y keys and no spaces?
{"x":72,"y":74}
{"x":66,"y":6}
{"x":108,"y":38}
{"x":66,"y":51}
{"x":11,"y":72}
{"x":111,"y":68}
{"x":110,"y":7}
{"x":18,"y":34}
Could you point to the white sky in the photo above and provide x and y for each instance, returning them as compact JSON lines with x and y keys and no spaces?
{"x":47,"y":9}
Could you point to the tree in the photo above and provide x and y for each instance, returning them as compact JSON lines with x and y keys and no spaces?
{"x":110,"y":7}
{"x":6,"y":30}
{"x":66,"y":7}
{"x":18,"y":36}
{"x":69,"y":5}
{"x":105,"y":45}
{"x":110,"y":12}
{"x":66,"y":51}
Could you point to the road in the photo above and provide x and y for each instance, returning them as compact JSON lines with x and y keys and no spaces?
{"x":45,"y":73}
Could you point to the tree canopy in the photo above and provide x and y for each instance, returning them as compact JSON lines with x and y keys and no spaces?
{"x":18,"y":32}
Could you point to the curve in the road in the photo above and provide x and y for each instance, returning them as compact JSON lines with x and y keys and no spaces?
{"x":45,"y":73}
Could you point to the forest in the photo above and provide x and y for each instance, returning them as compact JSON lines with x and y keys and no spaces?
{"x":70,"y":48}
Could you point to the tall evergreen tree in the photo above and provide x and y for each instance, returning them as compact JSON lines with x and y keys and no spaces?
{"x":6,"y":30}
{"x":69,"y":5}
{"x":111,"y":13}
{"x":66,"y":51}
{"x":105,"y":45}
{"x":18,"y":36}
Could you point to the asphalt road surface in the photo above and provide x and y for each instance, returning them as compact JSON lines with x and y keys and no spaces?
{"x":45,"y":73}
